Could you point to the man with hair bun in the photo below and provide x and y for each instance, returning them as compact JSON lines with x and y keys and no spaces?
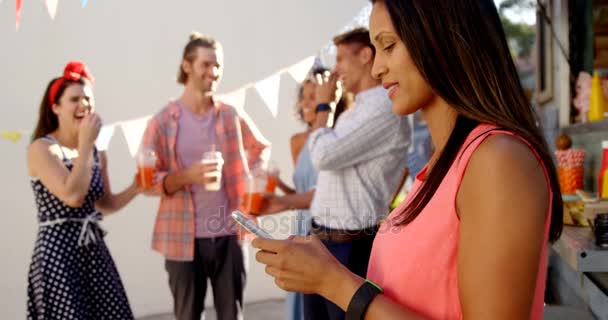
{"x":193,"y":227}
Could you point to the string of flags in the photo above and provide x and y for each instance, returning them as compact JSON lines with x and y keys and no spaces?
{"x":268,"y":89}
{"x":51,"y":7}
{"x":13,"y":136}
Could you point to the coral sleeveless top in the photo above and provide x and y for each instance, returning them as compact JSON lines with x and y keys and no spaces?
{"x":417,"y":265}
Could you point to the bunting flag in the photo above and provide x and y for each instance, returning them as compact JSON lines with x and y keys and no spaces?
{"x":84,"y":3}
{"x":133,"y":131}
{"x":13,"y":136}
{"x":104,"y":137}
{"x":18,"y":5}
{"x":235,"y":98}
{"x":300,"y":70}
{"x":268,"y":89}
{"x":51,"y":7}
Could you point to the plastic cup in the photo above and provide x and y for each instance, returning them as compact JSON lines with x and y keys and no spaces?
{"x":272,"y":180}
{"x":214,"y":157}
{"x":146,"y":168}
{"x":253,"y":198}
{"x":252,"y":202}
{"x":271,"y":184}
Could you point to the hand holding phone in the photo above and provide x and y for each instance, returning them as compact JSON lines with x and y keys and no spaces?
{"x":250,"y":225}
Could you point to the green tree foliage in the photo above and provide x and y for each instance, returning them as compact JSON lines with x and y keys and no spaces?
{"x":521,"y":36}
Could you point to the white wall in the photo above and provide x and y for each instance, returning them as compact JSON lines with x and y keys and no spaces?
{"x":133,"y":49}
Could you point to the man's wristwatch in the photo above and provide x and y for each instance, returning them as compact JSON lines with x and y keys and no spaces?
{"x":321,"y":107}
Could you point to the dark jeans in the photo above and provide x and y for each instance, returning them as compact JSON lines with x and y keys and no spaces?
{"x":355,"y":256}
{"x":221,"y":261}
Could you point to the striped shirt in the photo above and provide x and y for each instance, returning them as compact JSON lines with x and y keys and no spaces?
{"x":360,"y":162}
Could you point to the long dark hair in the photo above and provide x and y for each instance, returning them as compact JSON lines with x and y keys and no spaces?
{"x":47,"y":119}
{"x":460,"y":49}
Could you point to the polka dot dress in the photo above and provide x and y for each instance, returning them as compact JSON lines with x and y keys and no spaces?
{"x":69,"y":278}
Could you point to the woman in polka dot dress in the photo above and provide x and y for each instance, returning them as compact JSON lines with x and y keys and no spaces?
{"x":72,"y":274}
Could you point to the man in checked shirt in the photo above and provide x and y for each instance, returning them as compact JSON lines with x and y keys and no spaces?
{"x":361,"y":162}
{"x":193,"y":229}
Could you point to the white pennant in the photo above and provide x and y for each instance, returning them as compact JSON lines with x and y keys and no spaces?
{"x":134,"y":131}
{"x":235,"y":98}
{"x":269,"y":91}
{"x":103,"y":138}
{"x":299,"y":70}
{"x":51,"y":6}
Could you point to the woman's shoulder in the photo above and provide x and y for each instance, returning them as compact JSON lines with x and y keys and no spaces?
{"x":38,"y":152}
{"x":300,"y":137}
{"x":504,"y":163}
{"x":505,"y":150}
{"x":39,"y":145}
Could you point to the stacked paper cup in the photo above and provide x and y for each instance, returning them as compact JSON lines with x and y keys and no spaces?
{"x":570,"y":169}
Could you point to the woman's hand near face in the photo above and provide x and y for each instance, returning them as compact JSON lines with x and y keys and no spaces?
{"x":326,"y":90}
{"x":89,"y":129}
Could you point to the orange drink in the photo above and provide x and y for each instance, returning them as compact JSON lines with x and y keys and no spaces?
{"x":271,"y":183}
{"x":252,"y":202}
{"x":146,"y":168}
{"x":146,"y":176}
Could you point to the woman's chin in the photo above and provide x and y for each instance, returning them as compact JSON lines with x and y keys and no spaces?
{"x":401,"y":110}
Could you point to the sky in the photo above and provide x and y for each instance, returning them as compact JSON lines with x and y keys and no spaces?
{"x":527,"y":16}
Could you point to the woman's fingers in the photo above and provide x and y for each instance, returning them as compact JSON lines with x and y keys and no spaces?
{"x":319,"y":79}
{"x":267,"y":258}
{"x":269,"y":245}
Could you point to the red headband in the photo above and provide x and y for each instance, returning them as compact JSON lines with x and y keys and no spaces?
{"x":74,"y":71}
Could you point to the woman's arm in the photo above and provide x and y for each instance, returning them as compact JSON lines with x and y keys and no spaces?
{"x":285,"y":188}
{"x":502,"y":203}
{"x":71,"y":187}
{"x":275,"y":204}
{"x":111,"y":202}
{"x":303,"y":264}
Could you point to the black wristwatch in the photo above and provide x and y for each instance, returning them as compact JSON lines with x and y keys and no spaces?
{"x":360,"y":302}
{"x":322,"y":107}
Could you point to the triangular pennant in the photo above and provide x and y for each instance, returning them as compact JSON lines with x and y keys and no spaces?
{"x":235,"y":98}
{"x":269,"y":91}
{"x":51,"y":6}
{"x":13,"y":136}
{"x":299,"y":70}
{"x":18,"y":5}
{"x":104,"y":137}
{"x":133,"y":131}
{"x":84,"y":3}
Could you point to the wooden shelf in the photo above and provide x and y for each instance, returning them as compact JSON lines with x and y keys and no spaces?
{"x":577,"y":247}
{"x":589,"y":127}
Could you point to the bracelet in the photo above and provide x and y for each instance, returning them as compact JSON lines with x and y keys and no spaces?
{"x":361,"y":300}
{"x":322,"y":107}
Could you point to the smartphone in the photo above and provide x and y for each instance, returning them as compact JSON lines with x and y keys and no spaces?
{"x":250,"y":225}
